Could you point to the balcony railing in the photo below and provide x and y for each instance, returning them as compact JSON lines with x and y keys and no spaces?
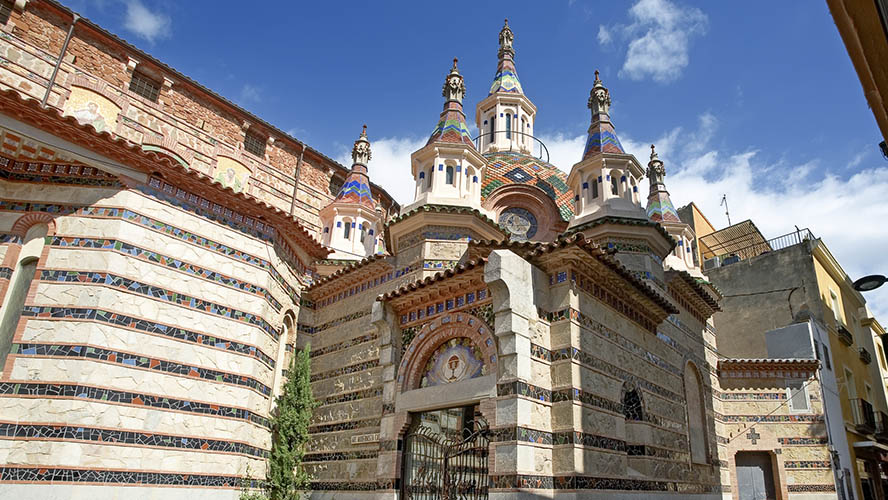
{"x":865,"y":356}
{"x":845,"y":336}
{"x":882,"y":426}
{"x":762,"y":247}
{"x":864,"y":417}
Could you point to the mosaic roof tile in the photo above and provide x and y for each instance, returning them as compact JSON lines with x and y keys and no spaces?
{"x":602,"y":139}
{"x":356,"y":189}
{"x":507,"y":167}
{"x":660,"y":209}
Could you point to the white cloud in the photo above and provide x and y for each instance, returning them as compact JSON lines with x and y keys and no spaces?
{"x":147,"y":24}
{"x":250,"y":93}
{"x":390,"y":165}
{"x":604,"y":35}
{"x":857,"y":160}
{"x":659,"y":38}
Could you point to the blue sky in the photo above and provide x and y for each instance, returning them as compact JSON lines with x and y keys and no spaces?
{"x":755,"y":100}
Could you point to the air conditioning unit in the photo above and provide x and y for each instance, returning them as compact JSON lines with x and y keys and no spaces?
{"x":711,"y":263}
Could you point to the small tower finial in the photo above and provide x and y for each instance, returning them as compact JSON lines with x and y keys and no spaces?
{"x":599,"y":98}
{"x":454,"y":87}
{"x":656,"y":172}
{"x":506,"y":37}
{"x":361,"y":150}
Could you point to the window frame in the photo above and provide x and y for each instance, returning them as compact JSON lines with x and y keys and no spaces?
{"x":142,"y":84}
{"x":255,"y":140}
{"x":803,"y":387}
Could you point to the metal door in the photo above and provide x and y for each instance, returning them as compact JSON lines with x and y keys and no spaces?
{"x":439,"y":468}
{"x":755,"y":477}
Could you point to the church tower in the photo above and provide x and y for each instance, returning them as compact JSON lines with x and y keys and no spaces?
{"x":448,"y":169}
{"x":661,"y":210}
{"x":505,"y":117}
{"x":607,"y":208}
{"x":352,"y":220}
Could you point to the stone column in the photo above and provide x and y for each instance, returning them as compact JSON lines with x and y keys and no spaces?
{"x":388,"y":467}
{"x":512,"y":280}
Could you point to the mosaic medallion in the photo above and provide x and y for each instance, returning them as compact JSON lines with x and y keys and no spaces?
{"x":455,"y":360}
{"x":521,"y":224}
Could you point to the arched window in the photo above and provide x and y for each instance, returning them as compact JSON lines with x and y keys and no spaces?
{"x":615,"y":186}
{"x":594,"y":183}
{"x":632,"y":408}
{"x":696,"y":414}
{"x":346,"y":233}
{"x":449,"y":175}
{"x":363,"y":232}
{"x":492,"y":126}
{"x":22,"y":277}
{"x":429,"y":177}
{"x":508,"y":126}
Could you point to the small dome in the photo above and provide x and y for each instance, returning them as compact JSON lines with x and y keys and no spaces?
{"x":507,"y":167}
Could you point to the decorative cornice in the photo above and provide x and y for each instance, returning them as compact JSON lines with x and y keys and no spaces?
{"x":132,"y":155}
{"x":430,"y":280}
{"x":626,"y":221}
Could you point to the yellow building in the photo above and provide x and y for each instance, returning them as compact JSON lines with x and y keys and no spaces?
{"x":792,"y":279}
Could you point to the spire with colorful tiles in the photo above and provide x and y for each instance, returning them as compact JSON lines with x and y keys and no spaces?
{"x":602,"y":137}
{"x":356,"y":188}
{"x":452,"y":125}
{"x":505,"y":118}
{"x":506,"y":79}
{"x":352,"y":221}
{"x":659,"y":205}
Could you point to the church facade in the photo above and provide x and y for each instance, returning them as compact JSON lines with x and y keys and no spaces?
{"x":515,"y":331}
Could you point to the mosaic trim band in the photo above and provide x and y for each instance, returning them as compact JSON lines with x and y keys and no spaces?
{"x":136,"y":478}
{"x":106,"y":395}
{"x":52,"y":432}
{"x":156,"y":292}
{"x":138,"y":361}
{"x":134,"y":323}
{"x":173,"y":263}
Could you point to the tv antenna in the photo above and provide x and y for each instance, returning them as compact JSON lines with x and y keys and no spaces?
{"x":724,"y":203}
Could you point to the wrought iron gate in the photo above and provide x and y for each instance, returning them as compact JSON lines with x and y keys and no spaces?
{"x":439,"y":468}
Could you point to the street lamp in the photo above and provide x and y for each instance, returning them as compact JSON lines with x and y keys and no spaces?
{"x":870,"y":282}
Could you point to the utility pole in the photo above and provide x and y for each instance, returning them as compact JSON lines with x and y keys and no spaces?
{"x":724,"y":203}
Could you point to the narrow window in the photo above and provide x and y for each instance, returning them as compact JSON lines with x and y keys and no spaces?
{"x":21,"y":281}
{"x":449,"y":175}
{"x":254,"y":143}
{"x":614,"y":186}
{"x":594,"y":189}
{"x":826,"y":357}
{"x":5,"y":11}
{"x":492,"y":126}
{"x":346,"y":233}
{"x":508,"y":126}
{"x":363,"y":232}
{"x":144,"y":86}
{"x":696,"y":414}
{"x":797,"y":395}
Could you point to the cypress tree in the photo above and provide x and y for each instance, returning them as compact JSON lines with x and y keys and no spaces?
{"x":285,"y":475}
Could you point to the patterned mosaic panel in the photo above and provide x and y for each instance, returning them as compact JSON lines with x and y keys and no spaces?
{"x":506,"y":78}
{"x":367,"y":285}
{"x":102,"y":394}
{"x":455,"y":360}
{"x":138,"y":361}
{"x":134,"y":323}
{"x":452,"y":127}
{"x":55,"y":174}
{"x":130,"y":285}
{"x":602,"y":139}
{"x":117,"y":436}
{"x":515,"y":168}
{"x":356,"y":190}
{"x":660,"y":208}
{"x":521,"y":224}
{"x":425,"y":313}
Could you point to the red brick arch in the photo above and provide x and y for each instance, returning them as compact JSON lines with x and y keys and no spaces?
{"x":25,"y":222}
{"x":435,"y":333}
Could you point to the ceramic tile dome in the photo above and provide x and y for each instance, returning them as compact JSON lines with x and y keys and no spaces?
{"x":507,"y":167}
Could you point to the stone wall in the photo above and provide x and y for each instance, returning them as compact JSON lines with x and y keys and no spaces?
{"x":147,"y":350}
{"x":187,"y":122}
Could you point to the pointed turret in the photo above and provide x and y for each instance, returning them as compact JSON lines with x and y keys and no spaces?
{"x":602,"y":136}
{"x":448,"y":169}
{"x":505,"y":117}
{"x":659,"y":206}
{"x":352,"y":221}
{"x":506,"y":79}
{"x":452,"y":126}
{"x":661,"y":210}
